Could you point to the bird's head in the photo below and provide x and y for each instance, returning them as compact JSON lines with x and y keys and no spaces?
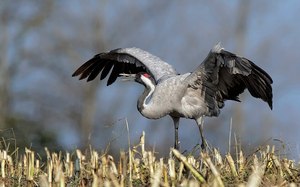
{"x":143,"y":78}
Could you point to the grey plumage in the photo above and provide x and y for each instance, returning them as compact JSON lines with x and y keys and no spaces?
{"x":221,"y":76}
{"x":126,"y":60}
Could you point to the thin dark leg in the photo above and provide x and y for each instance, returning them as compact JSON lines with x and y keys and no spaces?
{"x":200,"y":126}
{"x":176,"y":125}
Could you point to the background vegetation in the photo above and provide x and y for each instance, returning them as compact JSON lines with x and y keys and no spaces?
{"x":43,"y":42}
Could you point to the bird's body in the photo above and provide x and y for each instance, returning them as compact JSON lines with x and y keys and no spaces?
{"x":175,"y":92}
{"x":221,"y":76}
{"x":182,"y":101}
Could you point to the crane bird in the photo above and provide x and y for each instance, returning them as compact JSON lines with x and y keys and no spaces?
{"x":221,"y":76}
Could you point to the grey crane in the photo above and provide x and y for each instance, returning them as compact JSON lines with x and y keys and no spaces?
{"x":221,"y":76}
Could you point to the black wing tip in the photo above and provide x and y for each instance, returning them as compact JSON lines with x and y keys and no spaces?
{"x":271,"y":105}
{"x":76,"y":73}
{"x":270,"y":101}
{"x":88,"y":79}
{"x":268,"y":88}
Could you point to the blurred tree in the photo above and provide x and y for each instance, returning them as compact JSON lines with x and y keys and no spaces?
{"x":15,"y":27}
{"x":4,"y":79}
{"x":240,"y":40}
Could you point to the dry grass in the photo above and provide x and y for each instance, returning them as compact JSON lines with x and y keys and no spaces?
{"x":139,"y":167}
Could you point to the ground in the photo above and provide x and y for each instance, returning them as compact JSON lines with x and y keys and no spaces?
{"x":139,"y":167}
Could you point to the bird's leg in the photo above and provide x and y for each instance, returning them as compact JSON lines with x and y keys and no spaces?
{"x":200,"y":126}
{"x":176,"y":125}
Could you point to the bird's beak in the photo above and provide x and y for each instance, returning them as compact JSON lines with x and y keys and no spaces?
{"x":127,"y":77}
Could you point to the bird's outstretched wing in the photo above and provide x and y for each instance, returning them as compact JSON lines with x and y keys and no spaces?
{"x":224,"y":75}
{"x":124,"y":60}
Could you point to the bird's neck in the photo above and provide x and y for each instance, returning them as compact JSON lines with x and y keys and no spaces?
{"x":145,"y":98}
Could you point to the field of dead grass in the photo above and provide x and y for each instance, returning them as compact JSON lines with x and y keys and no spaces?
{"x":140,"y":167}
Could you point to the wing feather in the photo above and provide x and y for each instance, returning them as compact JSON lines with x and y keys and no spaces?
{"x":124,"y":60}
{"x":230,"y":75}
{"x":114,"y":73}
{"x":106,"y":70}
{"x":86,"y":72}
{"x":95,"y":71}
{"x":81,"y":69}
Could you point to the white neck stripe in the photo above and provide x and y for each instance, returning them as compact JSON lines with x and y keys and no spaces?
{"x":150,"y":85}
